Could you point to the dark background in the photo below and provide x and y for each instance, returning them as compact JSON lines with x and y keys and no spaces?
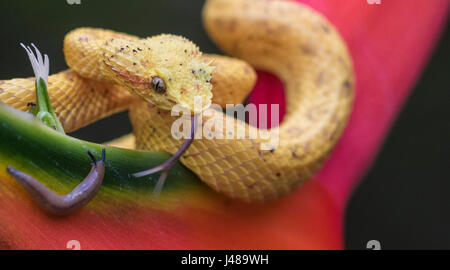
{"x":404,"y":199}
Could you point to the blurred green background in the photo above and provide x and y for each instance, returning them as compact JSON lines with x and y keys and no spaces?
{"x":403,"y":201}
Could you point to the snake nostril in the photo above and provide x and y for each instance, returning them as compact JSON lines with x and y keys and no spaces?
{"x":158,"y":85}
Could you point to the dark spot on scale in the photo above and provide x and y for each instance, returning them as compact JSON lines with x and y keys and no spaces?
{"x":308,"y":50}
{"x":278,"y":174}
{"x":346,"y":89}
{"x":347,"y":84}
{"x":272,"y":150}
{"x":260,"y":153}
{"x":134,"y":51}
{"x":139,"y":49}
{"x":250,"y":186}
{"x":134,"y":64}
{"x":294,"y":155}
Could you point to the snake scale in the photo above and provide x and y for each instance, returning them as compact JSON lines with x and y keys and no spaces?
{"x":111,"y":72}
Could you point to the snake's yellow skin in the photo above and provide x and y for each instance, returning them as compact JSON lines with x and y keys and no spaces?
{"x":308,"y":55}
{"x":290,"y":40}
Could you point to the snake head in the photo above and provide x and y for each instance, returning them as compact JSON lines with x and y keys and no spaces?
{"x":164,"y":70}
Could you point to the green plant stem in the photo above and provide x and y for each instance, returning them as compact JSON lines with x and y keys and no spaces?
{"x":45,"y":111}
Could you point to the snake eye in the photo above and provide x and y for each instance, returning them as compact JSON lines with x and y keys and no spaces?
{"x":158,"y":85}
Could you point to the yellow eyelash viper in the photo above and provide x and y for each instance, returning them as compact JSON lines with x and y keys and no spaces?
{"x":111,"y":72}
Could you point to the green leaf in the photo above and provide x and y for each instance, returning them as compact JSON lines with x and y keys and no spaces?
{"x":60,"y":161}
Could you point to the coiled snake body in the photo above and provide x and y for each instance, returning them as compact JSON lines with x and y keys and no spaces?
{"x":290,"y":40}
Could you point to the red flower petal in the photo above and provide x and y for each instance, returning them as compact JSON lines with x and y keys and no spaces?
{"x":389,"y":44}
